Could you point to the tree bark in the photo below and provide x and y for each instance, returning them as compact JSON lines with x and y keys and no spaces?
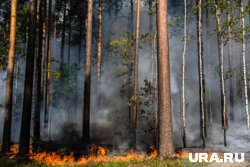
{"x":69,"y":40}
{"x":243,"y":45}
{"x":201,"y":73}
{"x":48,"y":65}
{"x":135,"y":88}
{"x":44,"y":9}
{"x":38,"y":75}
{"x":63,"y":36}
{"x":9,"y":80}
{"x":210,"y":114}
{"x":231,"y":87}
{"x":221,"y":62}
{"x":87,"y":82}
{"x":131,"y":62}
{"x":166,"y":147}
{"x":183,"y":77}
{"x":153,"y":74}
{"x":99,"y":54}
{"x":28,"y":85}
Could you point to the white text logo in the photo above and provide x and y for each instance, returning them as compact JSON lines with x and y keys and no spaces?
{"x":213,"y":157}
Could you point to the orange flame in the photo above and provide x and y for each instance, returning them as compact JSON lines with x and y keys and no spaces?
{"x":97,"y":155}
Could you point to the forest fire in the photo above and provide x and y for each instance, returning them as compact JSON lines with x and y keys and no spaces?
{"x":97,"y":154}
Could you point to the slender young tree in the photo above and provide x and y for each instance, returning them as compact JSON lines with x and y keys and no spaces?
{"x":201,"y":73}
{"x":63,"y":35}
{"x":48,"y":65}
{"x":9,"y":80}
{"x":209,"y":61}
{"x":183,"y":76}
{"x":230,"y":58}
{"x":28,"y":85}
{"x":151,"y":33}
{"x":166,"y":147}
{"x":221,"y":62}
{"x":243,"y":45}
{"x":153,"y":72}
{"x":69,"y":40}
{"x":99,"y":53}
{"x":130,"y":75}
{"x":87,"y":82}
{"x":38,"y":75}
{"x":135,"y":88}
{"x":44,"y":9}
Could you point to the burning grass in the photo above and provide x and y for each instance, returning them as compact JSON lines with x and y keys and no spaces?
{"x":156,"y":162}
{"x":97,"y":156}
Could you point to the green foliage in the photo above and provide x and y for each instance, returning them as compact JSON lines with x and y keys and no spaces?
{"x":229,"y":73}
{"x":151,"y":9}
{"x":63,"y":85}
{"x":234,"y":23}
{"x":123,"y":47}
{"x":176,"y":25}
{"x":147,"y":104}
{"x":56,"y":74}
{"x":22,"y":23}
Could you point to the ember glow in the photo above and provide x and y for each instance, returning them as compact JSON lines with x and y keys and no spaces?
{"x":97,"y":154}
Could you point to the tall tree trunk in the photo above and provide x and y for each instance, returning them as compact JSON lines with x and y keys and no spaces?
{"x":38,"y":75}
{"x":231,"y":87}
{"x":63,"y":36}
{"x":151,"y":44}
{"x":99,"y":53}
{"x":28,"y":85}
{"x":183,"y":77}
{"x":9,"y":80}
{"x":69,"y":40}
{"x":44,"y":9}
{"x":243,"y":43}
{"x":201,"y":73}
{"x":153,"y":73}
{"x":166,"y":147}
{"x":136,"y":58}
{"x":209,"y":62}
{"x":131,"y":61}
{"x":87,"y":82}
{"x":221,"y":62}
{"x":48,"y":65}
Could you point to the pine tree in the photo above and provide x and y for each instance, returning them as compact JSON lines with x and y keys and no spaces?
{"x":135,"y":88}
{"x":28,"y":85}
{"x":48,"y":65}
{"x":9,"y":80}
{"x":87,"y":82}
{"x":166,"y":147}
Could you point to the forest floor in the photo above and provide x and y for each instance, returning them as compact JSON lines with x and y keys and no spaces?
{"x":176,"y":162}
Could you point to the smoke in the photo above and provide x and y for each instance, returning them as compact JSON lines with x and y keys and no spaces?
{"x":110,"y":121}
